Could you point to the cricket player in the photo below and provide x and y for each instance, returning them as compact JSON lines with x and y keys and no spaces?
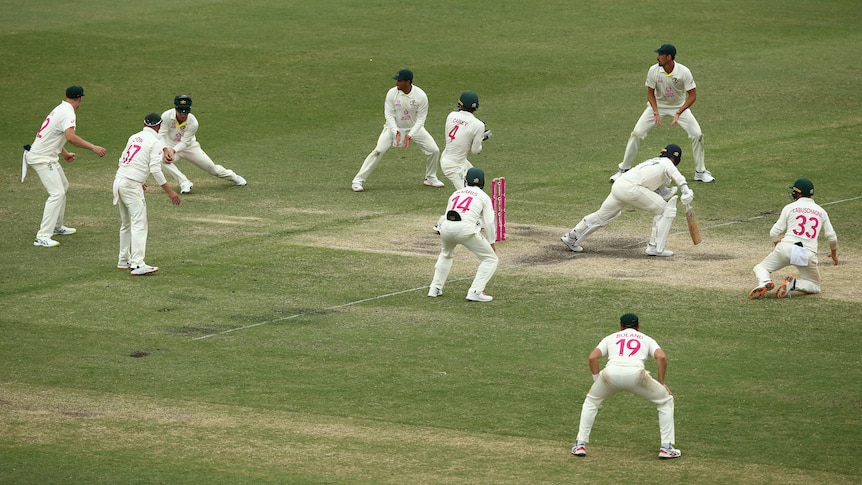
{"x":405,"y":111}
{"x":143,"y":155}
{"x":464,"y":134}
{"x":795,"y":238}
{"x":43,"y":156}
{"x":627,"y":351}
{"x":469,"y":214}
{"x":638,"y":187}
{"x":671,"y":91}
{"x":179,"y":136}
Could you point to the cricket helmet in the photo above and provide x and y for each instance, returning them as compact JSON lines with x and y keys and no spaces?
{"x":469,"y":101}
{"x":183,"y":103}
{"x":801,"y":188}
{"x":674,"y":152}
{"x":475,"y":177}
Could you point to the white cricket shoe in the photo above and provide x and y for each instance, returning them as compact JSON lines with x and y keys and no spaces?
{"x":617,"y":175}
{"x":123,"y":265}
{"x":434,"y":292}
{"x":45,"y":242}
{"x":669,"y":451}
{"x":64,"y":231}
{"x":476,"y":296}
{"x":571,"y":244}
{"x":580,"y":449}
{"x":433,"y":182}
{"x":357,"y":187}
{"x":704,"y":176}
{"x":653,"y":251}
{"x":144,"y":269}
{"x":239,"y":180}
{"x":186,"y":187}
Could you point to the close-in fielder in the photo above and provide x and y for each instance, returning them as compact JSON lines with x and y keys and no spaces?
{"x":405,"y":111}
{"x":43,"y":156}
{"x":143,"y":155}
{"x":469,"y":214}
{"x":638,"y":187}
{"x":627,"y":351}
{"x":671,"y":91}
{"x":464,"y":134}
{"x":795,"y":238}
{"x":179,"y":136}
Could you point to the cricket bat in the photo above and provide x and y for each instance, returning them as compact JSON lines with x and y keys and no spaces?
{"x":693,"y":228}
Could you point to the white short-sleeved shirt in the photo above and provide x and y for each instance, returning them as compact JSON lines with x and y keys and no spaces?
{"x":803,"y":221}
{"x":51,"y":136}
{"x":654,"y":173}
{"x":406,"y":111}
{"x":176,"y":135}
{"x":142,"y":156}
{"x":628,"y":348}
{"x":464,"y":134}
{"x":670,"y":89}
{"x":475,"y":207}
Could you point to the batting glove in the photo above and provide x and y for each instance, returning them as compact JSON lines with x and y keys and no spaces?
{"x":687,"y":195}
{"x":487,"y":135}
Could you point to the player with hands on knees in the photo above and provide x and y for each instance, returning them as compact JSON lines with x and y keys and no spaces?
{"x":795,"y":238}
{"x":627,"y":352}
{"x":641,"y":187}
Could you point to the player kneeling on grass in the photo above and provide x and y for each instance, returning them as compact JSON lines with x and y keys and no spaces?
{"x":795,"y":238}
{"x":627,"y":350}
{"x":468,"y":214}
{"x":646,"y":186}
{"x":143,"y":155}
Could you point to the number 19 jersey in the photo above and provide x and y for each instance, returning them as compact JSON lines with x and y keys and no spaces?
{"x":628,"y":348}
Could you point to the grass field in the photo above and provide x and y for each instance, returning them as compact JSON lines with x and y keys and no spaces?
{"x":287,"y":337}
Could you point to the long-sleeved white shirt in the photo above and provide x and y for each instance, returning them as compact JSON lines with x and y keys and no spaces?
{"x":802,"y":221}
{"x":176,"y":135}
{"x":405,"y":111}
{"x":463,"y":135}
{"x":475,"y":207}
{"x":654,"y":173}
{"x":142,"y":156}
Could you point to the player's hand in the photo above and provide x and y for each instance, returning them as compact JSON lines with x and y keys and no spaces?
{"x":100,"y":151}
{"x":834,"y":258}
{"x":169,"y":157}
{"x":687,"y":195}
{"x":407,"y":140}
{"x":675,"y":119}
{"x":175,"y":198}
{"x":487,"y":134}
{"x":667,"y":389}
{"x":657,"y":119}
{"x":397,"y":138}
{"x":144,"y":186}
{"x":69,"y":157}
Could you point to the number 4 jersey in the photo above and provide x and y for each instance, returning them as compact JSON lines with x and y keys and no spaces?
{"x":628,"y":348}
{"x":801,"y":222}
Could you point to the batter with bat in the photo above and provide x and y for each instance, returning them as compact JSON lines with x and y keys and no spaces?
{"x":638,"y":187}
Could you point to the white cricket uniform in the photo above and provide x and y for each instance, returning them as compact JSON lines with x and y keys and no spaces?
{"x":636,"y":188}
{"x":142,"y":156}
{"x":627,"y":351}
{"x":464,"y":134}
{"x":181,"y":137}
{"x":671,"y":91}
{"x":477,"y":217}
{"x":801,"y":221}
{"x":43,"y":157}
{"x":405,"y":114}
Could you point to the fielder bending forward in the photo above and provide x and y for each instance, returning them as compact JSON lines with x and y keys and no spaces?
{"x":464,"y":134}
{"x":795,"y":238}
{"x":468,"y":214}
{"x":645,"y":187}
{"x":627,"y":350}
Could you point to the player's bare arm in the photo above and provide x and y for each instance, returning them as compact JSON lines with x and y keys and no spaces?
{"x":79,"y":142}
{"x":654,"y":105}
{"x":67,"y":155}
{"x":692,"y":97}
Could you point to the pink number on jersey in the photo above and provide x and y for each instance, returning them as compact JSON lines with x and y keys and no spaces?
{"x":462,"y":205}
{"x":452,"y":132}
{"x":44,"y":125}
{"x":811,"y":232}
{"x":632,"y":344}
{"x":130,"y":155}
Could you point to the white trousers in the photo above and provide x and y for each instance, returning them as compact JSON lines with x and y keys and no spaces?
{"x":451,"y":235}
{"x":623,"y":193}
{"x":54,"y":179}
{"x":646,"y":122}
{"x":422,"y":138}
{"x":808,"y":280}
{"x":194,"y":154}
{"x":455,"y":171}
{"x":614,"y":379}
{"x":133,"y":221}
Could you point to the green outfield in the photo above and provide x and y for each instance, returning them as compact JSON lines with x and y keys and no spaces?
{"x":288,"y":338}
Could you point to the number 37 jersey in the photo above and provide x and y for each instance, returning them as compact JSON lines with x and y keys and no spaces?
{"x":802,"y":221}
{"x":628,"y":348}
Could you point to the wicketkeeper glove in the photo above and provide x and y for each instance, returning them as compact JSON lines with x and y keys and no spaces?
{"x":687,"y":195}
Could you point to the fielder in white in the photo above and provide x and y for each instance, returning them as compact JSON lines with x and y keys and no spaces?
{"x":468,"y":215}
{"x":464,"y":134}
{"x":795,"y":238}
{"x":179,"y":136}
{"x":645,"y":186}
{"x":405,"y":110}
{"x":627,"y":351}
{"x":143,"y":155}
{"x":43,"y":156}
{"x":670,"y":92}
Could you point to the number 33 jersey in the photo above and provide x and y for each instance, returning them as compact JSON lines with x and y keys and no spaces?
{"x":802,"y":221}
{"x":628,"y":348}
